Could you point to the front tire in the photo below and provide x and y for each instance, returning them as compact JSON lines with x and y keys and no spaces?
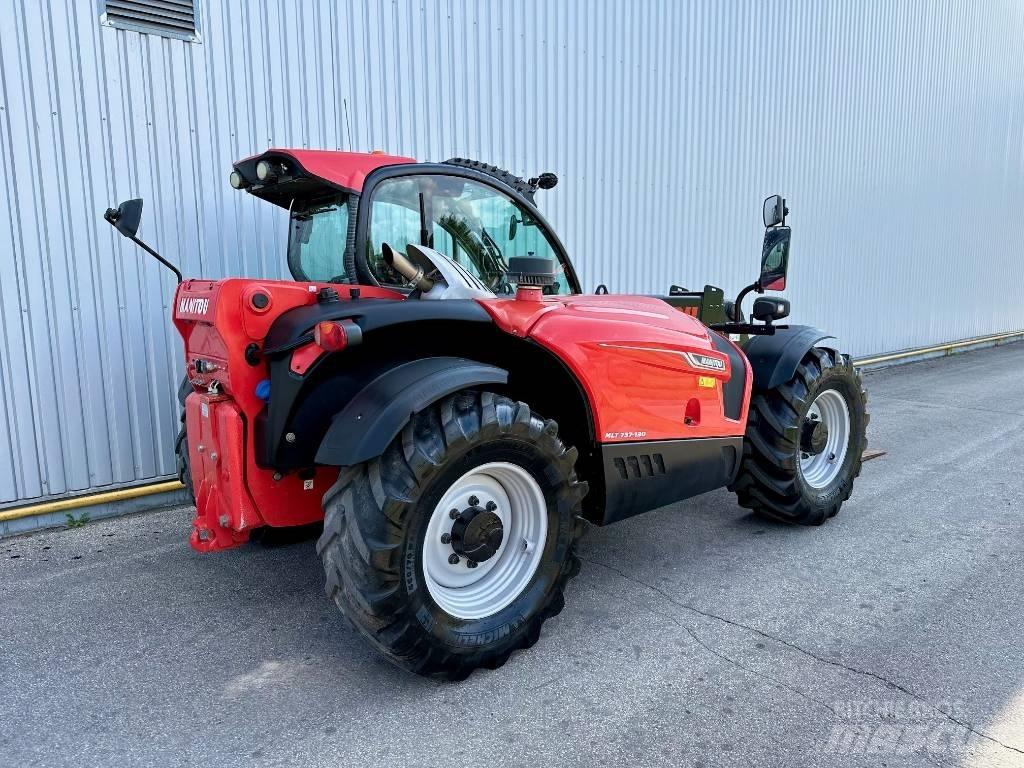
{"x":512,"y":485}
{"x":804,"y":441}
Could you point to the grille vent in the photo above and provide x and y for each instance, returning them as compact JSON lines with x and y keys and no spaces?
{"x":170,"y":18}
{"x":636,"y":467}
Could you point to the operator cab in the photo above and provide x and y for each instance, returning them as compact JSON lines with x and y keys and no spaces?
{"x":344,"y":207}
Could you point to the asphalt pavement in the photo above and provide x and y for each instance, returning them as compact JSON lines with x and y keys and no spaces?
{"x":696,"y":635}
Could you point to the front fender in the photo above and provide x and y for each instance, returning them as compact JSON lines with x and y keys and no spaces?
{"x":378,"y":412}
{"x":774,"y":359}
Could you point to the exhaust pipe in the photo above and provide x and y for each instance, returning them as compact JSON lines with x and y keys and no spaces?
{"x":398,"y":262}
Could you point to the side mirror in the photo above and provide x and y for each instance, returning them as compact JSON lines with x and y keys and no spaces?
{"x":544,"y":181}
{"x":773,"y":211}
{"x":126,"y":217}
{"x":775,"y":258}
{"x":768,"y":309}
{"x":513,"y":227}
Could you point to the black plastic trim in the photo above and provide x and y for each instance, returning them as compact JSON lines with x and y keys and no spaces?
{"x":290,"y":329}
{"x":377,"y":413}
{"x":734,"y":389}
{"x":641,"y":476}
{"x":304,"y":403}
{"x":774,"y":359}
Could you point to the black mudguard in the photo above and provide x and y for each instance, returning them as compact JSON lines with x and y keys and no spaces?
{"x":736,"y":387}
{"x":774,"y":359}
{"x":379,"y":411}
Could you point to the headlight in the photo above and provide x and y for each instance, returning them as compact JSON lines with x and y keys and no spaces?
{"x":237,"y":181}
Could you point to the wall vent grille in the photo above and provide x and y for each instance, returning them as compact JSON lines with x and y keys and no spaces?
{"x":170,"y":18}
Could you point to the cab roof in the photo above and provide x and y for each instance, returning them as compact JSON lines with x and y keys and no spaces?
{"x":306,"y":172}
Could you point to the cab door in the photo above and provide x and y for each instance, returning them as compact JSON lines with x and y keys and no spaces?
{"x":461,"y":213}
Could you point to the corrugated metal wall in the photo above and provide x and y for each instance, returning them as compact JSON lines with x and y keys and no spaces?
{"x":896,"y":130}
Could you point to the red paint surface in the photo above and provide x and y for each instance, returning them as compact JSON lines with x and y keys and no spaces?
{"x":304,"y":357}
{"x":626,"y":351}
{"x":233,"y":495}
{"x":344,"y":169}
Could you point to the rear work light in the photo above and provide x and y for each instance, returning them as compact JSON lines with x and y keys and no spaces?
{"x":268,"y":171}
{"x":237,"y":180}
{"x":333,"y":336}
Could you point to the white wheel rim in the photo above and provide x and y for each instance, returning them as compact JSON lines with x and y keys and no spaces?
{"x":474,"y":593}
{"x":820,"y":469}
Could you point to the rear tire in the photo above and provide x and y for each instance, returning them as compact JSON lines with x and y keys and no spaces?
{"x":377,"y":518}
{"x":182,"y":461}
{"x":789,"y":474}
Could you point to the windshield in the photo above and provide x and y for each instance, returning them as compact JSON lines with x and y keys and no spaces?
{"x":317,"y":235}
{"x":474,"y":224}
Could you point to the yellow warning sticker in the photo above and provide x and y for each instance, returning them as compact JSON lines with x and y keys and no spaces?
{"x":706,"y":381}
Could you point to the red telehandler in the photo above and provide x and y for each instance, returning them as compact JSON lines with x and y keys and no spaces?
{"x":434,"y":386}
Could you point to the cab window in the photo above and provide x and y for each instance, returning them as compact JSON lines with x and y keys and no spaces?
{"x":473,"y":224}
{"x":317,"y":234}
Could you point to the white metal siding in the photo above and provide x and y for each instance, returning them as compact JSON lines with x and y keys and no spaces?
{"x":896,"y":130}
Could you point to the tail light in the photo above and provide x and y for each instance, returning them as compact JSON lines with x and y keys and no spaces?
{"x":330,"y":336}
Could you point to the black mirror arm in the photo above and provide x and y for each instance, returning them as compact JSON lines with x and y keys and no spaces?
{"x":747,"y":329}
{"x":112,"y":215}
{"x":158,"y":257}
{"x":755,"y":286}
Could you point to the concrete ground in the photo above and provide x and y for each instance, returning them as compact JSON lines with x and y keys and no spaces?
{"x":696,"y":635}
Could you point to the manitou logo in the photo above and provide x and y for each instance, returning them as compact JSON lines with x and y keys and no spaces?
{"x":193,"y":305}
{"x":705,"y":361}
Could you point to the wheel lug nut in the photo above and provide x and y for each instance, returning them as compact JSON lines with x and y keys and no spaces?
{"x":453,"y":559}
{"x":471,"y":563}
{"x":473,"y":501}
{"x":453,"y":514}
{"x":445,"y":538}
{"x":491,"y":506}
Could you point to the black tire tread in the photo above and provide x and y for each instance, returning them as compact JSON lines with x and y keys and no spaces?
{"x":182,"y":460}
{"x":365,"y":516}
{"x":767,"y":481}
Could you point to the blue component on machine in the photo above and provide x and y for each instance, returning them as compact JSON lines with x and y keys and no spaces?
{"x":263,"y":390}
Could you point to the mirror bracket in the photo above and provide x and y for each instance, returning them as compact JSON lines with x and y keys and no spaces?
{"x":747,"y":329}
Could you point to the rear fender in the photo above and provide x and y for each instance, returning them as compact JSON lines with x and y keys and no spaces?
{"x":378,"y":412}
{"x":774,"y":359}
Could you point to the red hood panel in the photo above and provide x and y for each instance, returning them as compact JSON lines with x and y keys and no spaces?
{"x":638,"y":318}
{"x":646,"y":367}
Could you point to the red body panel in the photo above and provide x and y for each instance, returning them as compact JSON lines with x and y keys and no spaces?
{"x":233,"y":495}
{"x":628,"y":352}
{"x":218,"y":320}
